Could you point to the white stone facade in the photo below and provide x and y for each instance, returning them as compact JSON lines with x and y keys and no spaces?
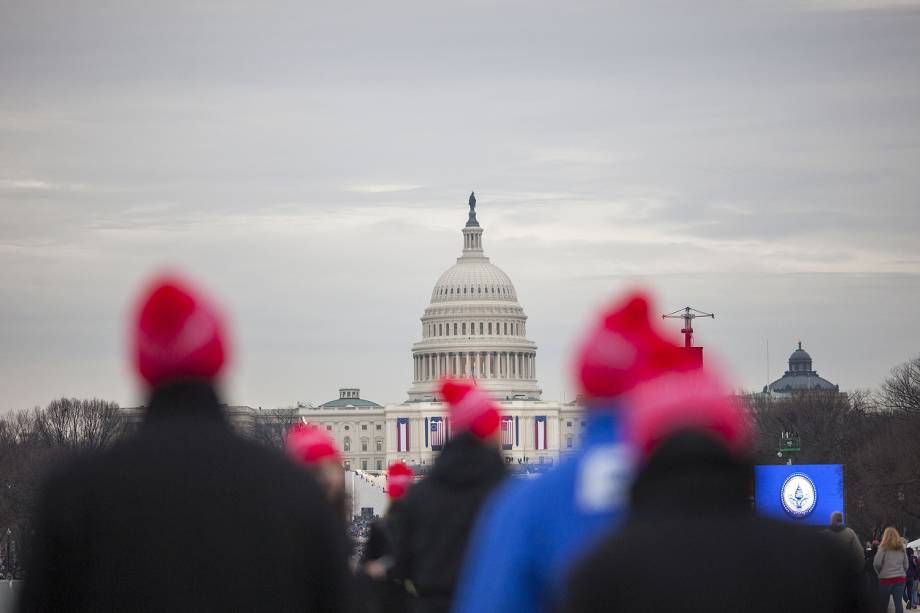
{"x":473,"y":327}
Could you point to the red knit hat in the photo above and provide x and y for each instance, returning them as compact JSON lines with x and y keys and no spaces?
{"x":178,"y":334}
{"x":623,"y":350}
{"x":399,"y":478}
{"x":309,"y":444}
{"x":679,"y":401}
{"x":470,"y":407}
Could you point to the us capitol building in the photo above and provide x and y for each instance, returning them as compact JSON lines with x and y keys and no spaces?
{"x":473,"y":327}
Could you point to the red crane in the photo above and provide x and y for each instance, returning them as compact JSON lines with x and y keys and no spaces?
{"x":688,"y":314}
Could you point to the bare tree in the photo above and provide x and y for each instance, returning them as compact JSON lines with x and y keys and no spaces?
{"x":900,"y":392}
{"x":79,"y":424}
{"x":272,"y":425}
{"x":825,"y":423}
{"x":30,"y":442}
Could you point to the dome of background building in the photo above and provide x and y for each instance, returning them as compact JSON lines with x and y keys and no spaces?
{"x":800,"y":377}
{"x":475,"y":327}
{"x":800,"y":361}
{"x":349,"y":398}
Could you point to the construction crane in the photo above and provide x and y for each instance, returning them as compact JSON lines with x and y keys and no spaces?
{"x":688,"y":314}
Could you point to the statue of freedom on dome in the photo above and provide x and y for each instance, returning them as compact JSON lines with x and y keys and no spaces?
{"x":472,"y":222}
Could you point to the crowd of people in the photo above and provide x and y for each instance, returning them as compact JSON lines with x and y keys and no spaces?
{"x":188,"y":516}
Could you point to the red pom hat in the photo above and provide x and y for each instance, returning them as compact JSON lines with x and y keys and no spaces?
{"x":623,"y":350}
{"x":399,"y":478}
{"x":178,"y":334}
{"x":470,"y":407}
{"x":309,"y":444}
{"x":680,"y":401}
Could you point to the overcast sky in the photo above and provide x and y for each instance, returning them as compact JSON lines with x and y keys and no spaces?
{"x":310,"y":164}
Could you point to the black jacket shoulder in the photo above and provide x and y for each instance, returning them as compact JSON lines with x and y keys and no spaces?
{"x":185,"y":515}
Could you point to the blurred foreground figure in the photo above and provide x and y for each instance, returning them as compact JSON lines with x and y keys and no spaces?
{"x":389,"y":592}
{"x":533,"y":531}
{"x":185,"y":515}
{"x":314,"y":449}
{"x":692,"y":495}
{"x":440,"y":510}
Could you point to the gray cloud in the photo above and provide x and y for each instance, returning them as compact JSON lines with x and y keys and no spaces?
{"x":311,"y":165}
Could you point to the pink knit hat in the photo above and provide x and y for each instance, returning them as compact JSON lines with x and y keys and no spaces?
{"x":470,"y":407}
{"x":178,"y":334}
{"x":680,"y":401}
{"x":623,"y":350}
{"x":309,"y":444}
{"x":399,"y":478}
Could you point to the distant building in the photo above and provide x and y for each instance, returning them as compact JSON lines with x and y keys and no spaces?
{"x":356,"y":424}
{"x":800,"y":377}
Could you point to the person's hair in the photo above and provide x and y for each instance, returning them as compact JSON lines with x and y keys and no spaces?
{"x":891,"y":539}
{"x":836,"y":517}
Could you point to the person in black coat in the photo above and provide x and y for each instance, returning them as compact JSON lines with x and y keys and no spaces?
{"x":871,"y":577}
{"x":378,"y":560}
{"x":692,"y":494}
{"x":440,"y":510}
{"x":184,"y":515}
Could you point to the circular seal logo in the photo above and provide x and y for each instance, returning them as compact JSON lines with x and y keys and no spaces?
{"x":799,"y":495}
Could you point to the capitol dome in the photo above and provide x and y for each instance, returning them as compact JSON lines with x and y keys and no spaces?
{"x":474,"y":327}
{"x":467,"y":279}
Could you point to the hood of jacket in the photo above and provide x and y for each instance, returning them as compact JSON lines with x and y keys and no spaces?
{"x":692,"y":473}
{"x":191,"y":399}
{"x":467,"y":460}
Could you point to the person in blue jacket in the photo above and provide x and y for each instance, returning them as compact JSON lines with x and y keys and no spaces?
{"x":532,"y":532}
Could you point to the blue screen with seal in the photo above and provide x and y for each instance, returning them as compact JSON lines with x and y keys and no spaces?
{"x":804,"y":493}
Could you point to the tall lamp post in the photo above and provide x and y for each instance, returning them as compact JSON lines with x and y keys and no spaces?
{"x":789,"y":445}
